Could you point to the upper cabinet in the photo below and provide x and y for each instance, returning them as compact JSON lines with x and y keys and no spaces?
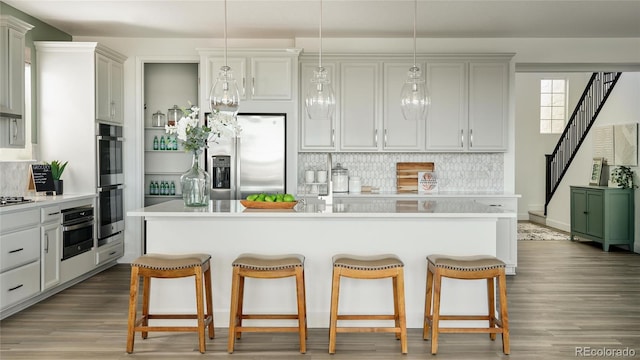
{"x":109,"y":86}
{"x":469,"y":105}
{"x":260,"y":74}
{"x":12,"y":46}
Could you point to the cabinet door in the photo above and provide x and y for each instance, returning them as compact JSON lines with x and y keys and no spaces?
{"x":595,"y":213}
{"x":488,"y":106}
{"x":271,"y":78}
{"x":12,"y":65}
{"x":51,"y":253}
{"x":117,"y":96}
{"x":398,"y":133}
{"x":317,"y":134}
{"x":447,"y":118}
{"x":238,"y":66}
{"x":579,"y":210}
{"x":103,"y":93}
{"x":359,"y":106}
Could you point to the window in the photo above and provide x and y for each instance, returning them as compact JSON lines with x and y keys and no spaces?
{"x":553,"y":105}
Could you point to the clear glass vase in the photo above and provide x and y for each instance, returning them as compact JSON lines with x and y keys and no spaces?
{"x":195,"y":184}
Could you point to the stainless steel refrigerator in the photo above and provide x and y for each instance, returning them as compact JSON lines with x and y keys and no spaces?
{"x":255,"y":163}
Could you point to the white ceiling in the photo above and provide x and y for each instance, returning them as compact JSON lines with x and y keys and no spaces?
{"x":289,"y":19}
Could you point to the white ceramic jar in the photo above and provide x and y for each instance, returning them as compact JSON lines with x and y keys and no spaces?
{"x":355,"y":186}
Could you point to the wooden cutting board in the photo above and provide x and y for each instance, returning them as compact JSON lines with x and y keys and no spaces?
{"x":407,"y":174}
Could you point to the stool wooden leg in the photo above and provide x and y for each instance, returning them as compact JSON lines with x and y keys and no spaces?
{"x":209,"y":296}
{"x":302,"y":314}
{"x":504,"y":314}
{"x":333,"y":322}
{"x":233,"y":317}
{"x":200,"y":310}
{"x":396,"y":312}
{"x":435,"y":325}
{"x":401,"y":313}
{"x":133,"y":304}
{"x":304,"y":296}
{"x":491,"y":299}
{"x":427,"y":305}
{"x":146,"y":295}
{"x":240,"y":305}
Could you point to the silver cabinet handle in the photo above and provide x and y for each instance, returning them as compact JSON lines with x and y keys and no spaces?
{"x":15,"y":129}
{"x":375,"y":137}
{"x":46,"y":243}
{"x":333,"y":137}
{"x":385,"y":138}
{"x":253,"y":86}
{"x":470,"y":138}
{"x":113,"y":110}
{"x":244,"y":87}
{"x":461,"y":138}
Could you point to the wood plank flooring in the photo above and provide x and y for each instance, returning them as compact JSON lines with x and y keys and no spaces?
{"x":566,"y":295}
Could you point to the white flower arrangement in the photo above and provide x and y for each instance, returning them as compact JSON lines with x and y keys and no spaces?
{"x":224,"y":125}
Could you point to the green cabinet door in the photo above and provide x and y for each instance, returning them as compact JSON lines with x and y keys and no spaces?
{"x":578,"y":211}
{"x":595,"y":213}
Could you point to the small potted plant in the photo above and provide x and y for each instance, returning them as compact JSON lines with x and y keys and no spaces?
{"x":623,"y":176}
{"x":57,"y":168}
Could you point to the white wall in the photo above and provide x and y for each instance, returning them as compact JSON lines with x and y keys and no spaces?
{"x":570,"y":51}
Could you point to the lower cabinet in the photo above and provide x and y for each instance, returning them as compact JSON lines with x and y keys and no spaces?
{"x":19,"y":284}
{"x":110,"y":251}
{"x":50,"y":247}
{"x":603,"y":214}
{"x":506,"y":232}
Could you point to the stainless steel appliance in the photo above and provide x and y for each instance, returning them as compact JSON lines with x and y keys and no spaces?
{"x":13,"y":200}
{"x":257,"y":160}
{"x":77,"y":231}
{"x":109,"y":152}
{"x":220,"y":176}
{"x":110,"y":182}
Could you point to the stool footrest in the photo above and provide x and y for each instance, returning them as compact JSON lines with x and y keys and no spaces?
{"x":171,"y":316}
{"x":471,"y":330}
{"x":462,"y":317}
{"x":271,"y":316}
{"x":366,"y":317}
{"x":265,"y":329}
{"x":368,"y":329}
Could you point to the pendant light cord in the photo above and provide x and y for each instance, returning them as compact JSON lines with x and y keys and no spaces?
{"x":225,"y":33}
{"x":320,"y":31}
{"x":415,"y":11}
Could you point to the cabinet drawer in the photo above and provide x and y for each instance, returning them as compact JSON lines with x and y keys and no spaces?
{"x":19,"y":248}
{"x":21,"y":219}
{"x":110,"y":252}
{"x":50,"y":214}
{"x":19,"y":284}
{"x":501,"y":203}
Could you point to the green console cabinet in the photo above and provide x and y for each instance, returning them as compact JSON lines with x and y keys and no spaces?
{"x":602,"y":214}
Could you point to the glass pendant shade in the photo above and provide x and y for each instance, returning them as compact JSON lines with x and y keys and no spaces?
{"x":320,"y":101}
{"x":414,"y":98}
{"x":224,"y":95}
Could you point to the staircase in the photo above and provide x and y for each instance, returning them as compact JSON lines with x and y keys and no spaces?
{"x":593,"y":99}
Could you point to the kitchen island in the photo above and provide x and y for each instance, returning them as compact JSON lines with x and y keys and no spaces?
{"x":410,"y":228}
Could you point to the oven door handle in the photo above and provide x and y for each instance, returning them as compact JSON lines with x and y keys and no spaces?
{"x":110,"y":138}
{"x":114,"y":187}
{"x":78,"y":226}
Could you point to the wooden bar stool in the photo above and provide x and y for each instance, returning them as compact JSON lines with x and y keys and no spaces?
{"x":267,"y":267}
{"x":369,"y":267}
{"x":469,"y":268}
{"x":170,"y":267}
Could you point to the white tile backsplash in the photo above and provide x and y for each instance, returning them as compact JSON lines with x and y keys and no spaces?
{"x":470,"y":172}
{"x":14,"y":177}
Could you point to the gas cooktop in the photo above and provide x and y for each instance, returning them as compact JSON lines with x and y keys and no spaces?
{"x":13,"y":200}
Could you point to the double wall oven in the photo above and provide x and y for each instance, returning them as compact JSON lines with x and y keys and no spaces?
{"x":110,"y":183}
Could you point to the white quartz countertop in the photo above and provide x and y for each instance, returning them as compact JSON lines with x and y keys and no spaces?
{"x":45,"y":200}
{"x":340,"y":208}
{"x":440,"y":194}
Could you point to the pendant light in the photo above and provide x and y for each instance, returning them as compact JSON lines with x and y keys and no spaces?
{"x":224,"y":95}
{"x":414,"y":98}
{"x":320,"y":101}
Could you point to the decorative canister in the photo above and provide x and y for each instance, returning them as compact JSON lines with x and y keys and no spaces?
{"x":340,"y":179}
{"x":158,"y":119}
{"x":174,"y":114}
{"x":354,"y":185}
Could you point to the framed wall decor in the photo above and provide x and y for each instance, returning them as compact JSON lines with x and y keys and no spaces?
{"x":596,"y":171}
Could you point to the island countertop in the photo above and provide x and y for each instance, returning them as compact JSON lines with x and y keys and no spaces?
{"x":340,"y":208}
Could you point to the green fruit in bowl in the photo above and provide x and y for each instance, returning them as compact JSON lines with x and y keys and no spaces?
{"x":288,"y":198}
{"x":252,"y":197}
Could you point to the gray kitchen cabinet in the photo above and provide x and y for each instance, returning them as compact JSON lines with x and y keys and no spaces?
{"x":603,"y":214}
{"x":51,"y":247}
{"x":399,"y":134}
{"x":469,"y":105}
{"x":109,"y":86}
{"x":20,"y":256}
{"x":360,"y":106}
{"x":12,"y":65}
{"x":317,"y":135}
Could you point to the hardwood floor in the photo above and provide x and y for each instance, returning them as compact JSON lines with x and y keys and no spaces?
{"x":566,"y":295}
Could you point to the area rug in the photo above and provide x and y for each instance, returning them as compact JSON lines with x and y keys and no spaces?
{"x":531,"y":231}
